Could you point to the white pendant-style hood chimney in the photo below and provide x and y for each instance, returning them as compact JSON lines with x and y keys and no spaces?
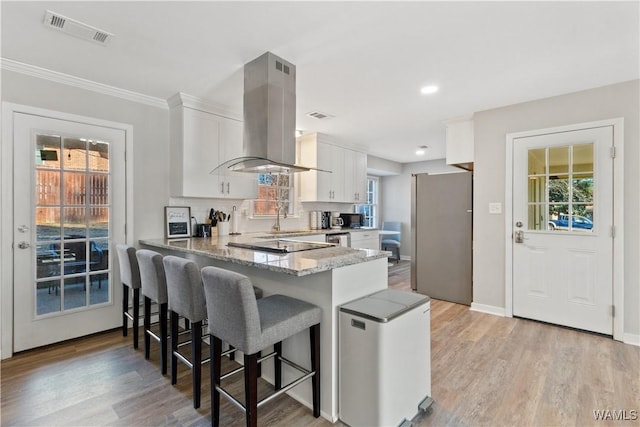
{"x":269,"y":117}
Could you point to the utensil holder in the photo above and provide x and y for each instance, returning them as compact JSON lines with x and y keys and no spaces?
{"x":223,"y":228}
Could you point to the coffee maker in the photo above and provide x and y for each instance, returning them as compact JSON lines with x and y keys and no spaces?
{"x":336,"y":221}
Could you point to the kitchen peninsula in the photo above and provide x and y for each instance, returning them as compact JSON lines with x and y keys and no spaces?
{"x":327,"y":277}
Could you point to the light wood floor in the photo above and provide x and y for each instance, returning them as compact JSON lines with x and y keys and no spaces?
{"x":486,"y":370}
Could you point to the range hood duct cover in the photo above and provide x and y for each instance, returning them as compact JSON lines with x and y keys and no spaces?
{"x":269,"y":117}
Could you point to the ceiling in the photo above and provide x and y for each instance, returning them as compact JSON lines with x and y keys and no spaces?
{"x":362,"y":62}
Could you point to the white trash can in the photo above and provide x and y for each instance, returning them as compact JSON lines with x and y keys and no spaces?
{"x":384,"y":358}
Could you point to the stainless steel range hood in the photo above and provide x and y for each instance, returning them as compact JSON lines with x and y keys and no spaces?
{"x":269,"y":117}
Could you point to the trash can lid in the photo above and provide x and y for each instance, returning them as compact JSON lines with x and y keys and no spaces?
{"x":382,"y":306}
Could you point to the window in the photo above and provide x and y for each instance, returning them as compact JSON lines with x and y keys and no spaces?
{"x":72,"y":223}
{"x":370,"y":209}
{"x":561,"y":183}
{"x":274,"y":191}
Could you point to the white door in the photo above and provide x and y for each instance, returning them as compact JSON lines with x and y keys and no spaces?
{"x":563,"y":219}
{"x":69,"y":209}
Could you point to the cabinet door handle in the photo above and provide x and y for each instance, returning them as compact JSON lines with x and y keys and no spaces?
{"x":222,"y":187}
{"x":228,"y":186}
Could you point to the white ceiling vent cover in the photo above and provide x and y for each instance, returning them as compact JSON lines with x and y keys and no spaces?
{"x":320,"y":115}
{"x":76,"y":28}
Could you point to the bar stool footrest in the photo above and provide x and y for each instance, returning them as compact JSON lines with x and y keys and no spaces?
{"x":306,"y":375}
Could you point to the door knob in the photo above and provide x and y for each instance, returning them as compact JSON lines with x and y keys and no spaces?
{"x":23,"y":228}
{"x":24,"y":245}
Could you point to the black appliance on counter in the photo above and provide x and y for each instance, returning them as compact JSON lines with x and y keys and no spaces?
{"x":326,"y":219}
{"x":352,"y":220}
{"x":203,"y":230}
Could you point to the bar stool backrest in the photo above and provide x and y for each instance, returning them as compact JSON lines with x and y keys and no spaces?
{"x":184,"y":288}
{"x":152,"y":276}
{"x":232,"y":309}
{"x":129,"y":270}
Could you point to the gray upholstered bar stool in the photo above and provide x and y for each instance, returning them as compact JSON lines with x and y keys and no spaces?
{"x":154,"y":289}
{"x":130,"y":278}
{"x":251,"y":325}
{"x":186,"y":299}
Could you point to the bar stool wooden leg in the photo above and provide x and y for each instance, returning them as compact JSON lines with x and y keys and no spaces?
{"x":147,"y":327}
{"x":314,"y":338}
{"x":136,"y":316}
{"x":174,"y":347}
{"x":196,"y":360}
{"x":215,"y":354}
{"x":251,"y":389}
{"x":163,"y":338}
{"x":125,"y":308}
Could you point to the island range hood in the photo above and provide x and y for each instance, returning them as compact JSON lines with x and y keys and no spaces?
{"x":269,"y":118}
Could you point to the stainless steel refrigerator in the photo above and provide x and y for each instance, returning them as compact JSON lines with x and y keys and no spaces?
{"x":441,"y":236}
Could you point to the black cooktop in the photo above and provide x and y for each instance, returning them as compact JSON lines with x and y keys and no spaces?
{"x":281,"y":245}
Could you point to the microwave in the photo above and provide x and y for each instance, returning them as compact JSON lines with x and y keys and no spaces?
{"x":352,"y":220}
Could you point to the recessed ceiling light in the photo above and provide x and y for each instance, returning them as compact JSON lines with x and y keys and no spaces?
{"x":422,"y":150}
{"x":427,"y":90}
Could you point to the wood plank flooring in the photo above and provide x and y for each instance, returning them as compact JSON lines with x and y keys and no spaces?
{"x":486,"y":371}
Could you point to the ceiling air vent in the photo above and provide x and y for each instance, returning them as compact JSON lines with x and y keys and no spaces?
{"x":320,"y":116}
{"x":76,"y":28}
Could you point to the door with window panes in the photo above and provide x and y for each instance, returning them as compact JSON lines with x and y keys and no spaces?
{"x":68,"y":211}
{"x":562,"y":231}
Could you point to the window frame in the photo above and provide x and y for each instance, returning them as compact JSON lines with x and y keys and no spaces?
{"x":373,"y":197}
{"x":272,"y":214}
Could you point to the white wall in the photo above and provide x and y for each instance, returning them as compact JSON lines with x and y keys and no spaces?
{"x":382,"y":167}
{"x":491,"y":127}
{"x":150,"y":138}
{"x":395,"y":196}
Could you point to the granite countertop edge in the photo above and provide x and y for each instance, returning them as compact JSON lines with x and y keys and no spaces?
{"x":328,"y":259}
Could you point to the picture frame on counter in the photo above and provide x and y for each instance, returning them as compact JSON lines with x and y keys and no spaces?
{"x":177,"y":221}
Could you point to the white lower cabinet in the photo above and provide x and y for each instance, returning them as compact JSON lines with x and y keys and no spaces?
{"x":365,"y":239}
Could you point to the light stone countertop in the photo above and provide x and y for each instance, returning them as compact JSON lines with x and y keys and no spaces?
{"x":296,"y":263}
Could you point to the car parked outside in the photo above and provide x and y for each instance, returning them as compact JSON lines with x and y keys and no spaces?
{"x":577,"y":222}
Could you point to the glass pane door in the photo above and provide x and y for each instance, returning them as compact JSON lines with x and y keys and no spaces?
{"x":72,"y":209}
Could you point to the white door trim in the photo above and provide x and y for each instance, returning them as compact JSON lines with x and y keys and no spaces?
{"x":618,"y":214}
{"x":6,"y":203}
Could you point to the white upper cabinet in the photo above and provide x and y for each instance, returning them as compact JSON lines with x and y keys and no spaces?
{"x":200,"y":141}
{"x":356,"y":174}
{"x":460,"y":143}
{"x":346,"y":182}
{"x":235,"y":185}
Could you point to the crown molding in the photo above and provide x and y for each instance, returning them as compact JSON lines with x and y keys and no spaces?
{"x":67,"y":79}
{"x":182,"y":99}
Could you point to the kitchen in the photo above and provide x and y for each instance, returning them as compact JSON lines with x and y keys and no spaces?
{"x":152,"y":157}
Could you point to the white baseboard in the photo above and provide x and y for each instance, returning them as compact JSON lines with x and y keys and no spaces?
{"x":632,"y":339}
{"x":489,"y":309}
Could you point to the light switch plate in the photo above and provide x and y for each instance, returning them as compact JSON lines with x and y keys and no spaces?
{"x":495,"y":208}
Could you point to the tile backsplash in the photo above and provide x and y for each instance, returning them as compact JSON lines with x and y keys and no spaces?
{"x":245,"y":222}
